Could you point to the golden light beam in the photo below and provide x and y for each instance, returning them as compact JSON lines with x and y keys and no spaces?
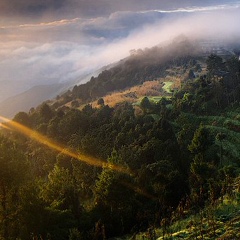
{"x":2,"y":125}
{"x":13,"y":125}
{"x":139,"y":190}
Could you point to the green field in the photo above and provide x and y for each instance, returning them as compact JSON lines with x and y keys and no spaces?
{"x":167,"y":87}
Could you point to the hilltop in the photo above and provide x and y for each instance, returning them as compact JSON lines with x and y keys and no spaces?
{"x":174,"y":63}
{"x":145,"y":72}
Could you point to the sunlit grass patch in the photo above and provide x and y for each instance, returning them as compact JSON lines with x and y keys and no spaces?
{"x":155,"y":99}
{"x":167,"y":87}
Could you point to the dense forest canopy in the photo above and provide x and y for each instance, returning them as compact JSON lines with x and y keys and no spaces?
{"x":178,"y":155}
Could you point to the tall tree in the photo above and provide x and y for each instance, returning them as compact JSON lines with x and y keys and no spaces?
{"x":214,"y":64}
{"x":202,"y":168}
{"x":114,"y":193}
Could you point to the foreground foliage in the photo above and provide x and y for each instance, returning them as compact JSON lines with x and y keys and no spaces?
{"x":179,"y":156}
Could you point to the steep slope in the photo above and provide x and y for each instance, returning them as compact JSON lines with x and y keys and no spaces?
{"x":140,"y":66}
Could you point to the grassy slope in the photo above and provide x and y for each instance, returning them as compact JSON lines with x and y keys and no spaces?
{"x":221,"y":221}
{"x":152,"y":89}
{"x":218,"y":222}
{"x":167,"y":86}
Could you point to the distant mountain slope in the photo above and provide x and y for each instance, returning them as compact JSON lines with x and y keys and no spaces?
{"x":31,"y":98}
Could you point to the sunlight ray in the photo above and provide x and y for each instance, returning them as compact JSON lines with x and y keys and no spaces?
{"x":15,"y":126}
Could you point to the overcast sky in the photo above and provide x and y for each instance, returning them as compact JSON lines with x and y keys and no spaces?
{"x":51,"y":41}
{"x":50,"y":9}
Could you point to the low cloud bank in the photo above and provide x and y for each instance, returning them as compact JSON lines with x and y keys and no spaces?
{"x":60,"y":51}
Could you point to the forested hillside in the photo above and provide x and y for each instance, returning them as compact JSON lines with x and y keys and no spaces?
{"x":102,"y":172}
{"x":174,"y":59}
